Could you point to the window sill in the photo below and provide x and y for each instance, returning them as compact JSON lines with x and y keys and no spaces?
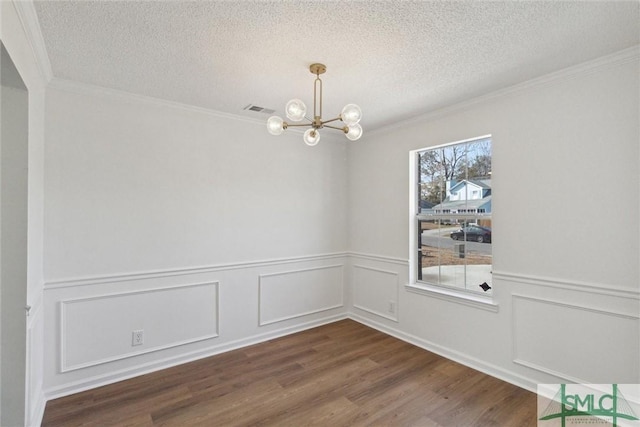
{"x":477,"y":301}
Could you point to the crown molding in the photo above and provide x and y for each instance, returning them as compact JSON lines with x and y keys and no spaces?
{"x":94,"y":90}
{"x":29,"y":20}
{"x":618,"y":58}
{"x":87,"y":89}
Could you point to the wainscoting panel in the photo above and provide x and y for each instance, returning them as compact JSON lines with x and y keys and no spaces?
{"x":376,"y":291}
{"x":573,"y":342}
{"x":295,"y":293}
{"x":99,"y":329}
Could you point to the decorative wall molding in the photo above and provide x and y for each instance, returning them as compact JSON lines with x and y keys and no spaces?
{"x":517,"y":331}
{"x":29,"y":19}
{"x":153,"y":274}
{"x":472,"y":362}
{"x":396,"y":291}
{"x":86,"y":89}
{"x":572,"y":285}
{"x":382,"y":258}
{"x":483,"y":302}
{"x":618,"y":58}
{"x":114,"y":376}
{"x":305,"y":279}
{"x":564,"y":377}
{"x":79,"y":88}
{"x":578,"y":307}
{"x":65,"y":304}
{"x":451,"y":295}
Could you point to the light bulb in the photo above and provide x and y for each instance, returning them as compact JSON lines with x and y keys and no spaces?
{"x":295,"y":110}
{"x":311,"y":137}
{"x":355,"y":132}
{"x":274,"y":125}
{"x":351,"y":114}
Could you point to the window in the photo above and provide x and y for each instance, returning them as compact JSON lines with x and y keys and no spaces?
{"x":451,"y":216}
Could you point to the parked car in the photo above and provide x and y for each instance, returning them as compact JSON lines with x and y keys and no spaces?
{"x":474,"y":233}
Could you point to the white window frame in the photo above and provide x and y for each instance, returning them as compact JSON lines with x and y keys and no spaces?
{"x":447,"y":293}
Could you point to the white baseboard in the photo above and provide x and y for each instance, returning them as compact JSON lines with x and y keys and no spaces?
{"x":124,"y":374}
{"x":113,"y":377}
{"x":456,"y":356}
{"x":36,"y":411}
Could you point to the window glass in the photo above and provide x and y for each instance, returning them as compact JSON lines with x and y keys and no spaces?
{"x":454,"y":216}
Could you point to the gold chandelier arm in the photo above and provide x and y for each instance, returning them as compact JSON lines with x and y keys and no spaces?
{"x":343,"y":129}
{"x":332,"y":120}
{"x":302,"y":124}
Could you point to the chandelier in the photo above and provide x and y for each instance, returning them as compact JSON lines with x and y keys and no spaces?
{"x":296,"y":110}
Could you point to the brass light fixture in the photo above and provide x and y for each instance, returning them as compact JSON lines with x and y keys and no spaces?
{"x":296,"y":110}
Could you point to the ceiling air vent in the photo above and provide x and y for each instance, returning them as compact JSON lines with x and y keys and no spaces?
{"x":257,"y":109}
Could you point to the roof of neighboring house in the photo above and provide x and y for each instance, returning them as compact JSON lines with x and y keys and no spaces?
{"x":485,"y":183}
{"x":463,"y":204}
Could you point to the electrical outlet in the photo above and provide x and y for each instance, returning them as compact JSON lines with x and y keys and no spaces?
{"x":392,"y":307}
{"x":137,"y":337}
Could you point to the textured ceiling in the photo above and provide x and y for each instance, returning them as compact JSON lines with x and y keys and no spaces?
{"x":395,"y":59}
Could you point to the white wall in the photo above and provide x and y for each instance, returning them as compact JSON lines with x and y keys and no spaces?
{"x":565,"y":229}
{"x":17,"y":36}
{"x":13,"y":249}
{"x":149,"y":203}
{"x":134,"y":187}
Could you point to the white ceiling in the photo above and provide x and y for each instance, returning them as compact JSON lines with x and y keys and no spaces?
{"x":395,"y":59}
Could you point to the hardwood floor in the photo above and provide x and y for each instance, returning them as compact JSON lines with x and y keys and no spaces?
{"x":341,"y":374}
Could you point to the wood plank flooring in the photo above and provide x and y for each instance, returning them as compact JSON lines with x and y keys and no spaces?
{"x":341,"y":374}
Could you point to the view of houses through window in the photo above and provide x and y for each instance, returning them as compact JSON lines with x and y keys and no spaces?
{"x":454,"y":215}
